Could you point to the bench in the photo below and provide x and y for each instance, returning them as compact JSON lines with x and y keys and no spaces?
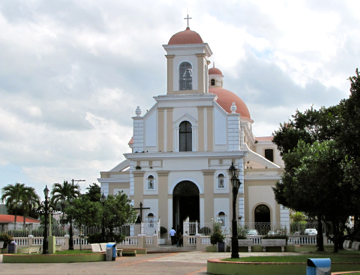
{"x":245,"y":243}
{"x":273,"y":243}
{"x":95,"y":247}
{"x":346,"y":244}
{"x":101,"y":248}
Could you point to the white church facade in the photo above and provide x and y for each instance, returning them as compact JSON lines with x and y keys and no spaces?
{"x":183,"y":146}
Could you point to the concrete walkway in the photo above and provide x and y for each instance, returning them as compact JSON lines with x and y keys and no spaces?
{"x":188,"y":263}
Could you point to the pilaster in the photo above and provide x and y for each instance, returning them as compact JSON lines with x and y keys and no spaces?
{"x":208,"y":194}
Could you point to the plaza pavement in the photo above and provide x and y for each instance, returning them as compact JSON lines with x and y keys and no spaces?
{"x":186,"y":263}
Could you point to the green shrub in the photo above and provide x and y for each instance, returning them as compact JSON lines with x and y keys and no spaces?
{"x":6,"y":238}
{"x":241,"y":232}
{"x":217,"y":235}
{"x":95,"y":238}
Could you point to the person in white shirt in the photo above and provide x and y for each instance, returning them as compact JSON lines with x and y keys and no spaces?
{"x":172,"y":235}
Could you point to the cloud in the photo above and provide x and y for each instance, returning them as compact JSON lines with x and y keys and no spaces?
{"x":73,"y":72}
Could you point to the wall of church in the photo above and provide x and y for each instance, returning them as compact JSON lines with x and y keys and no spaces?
{"x":151,"y":131}
{"x":222,"y":205}
{"x":258,"y":192}
{"x":220,"y":125}
{"x":260,"y":149}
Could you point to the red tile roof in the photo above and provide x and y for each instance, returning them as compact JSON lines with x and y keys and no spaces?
{"x":19,"y":219}
{"x":264,"y":138}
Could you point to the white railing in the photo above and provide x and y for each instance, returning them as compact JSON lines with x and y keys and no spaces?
{"x":191,"y":240}
{"x":205,"y":240}
{"x":302,"y":239}
{"x":255,"y":239}
{"x":21,"y":241}
{"x":130,"y":241}
{"x":149,"y":240}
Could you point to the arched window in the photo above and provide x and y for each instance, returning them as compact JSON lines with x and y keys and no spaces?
{"x":185,"y":77}
{"x":221,"y":181}
{"x":269,"y":154}
{"x":151,"y":182}
{"x":262,"y":219}
{"x":212,"y":82}
{"x":150,"y":220}
{"x":222,"y":218}
{"x":185,"y":136}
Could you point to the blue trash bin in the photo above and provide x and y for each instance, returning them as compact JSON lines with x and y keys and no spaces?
{"x":318,"y":266}
{"x":110,"y":251}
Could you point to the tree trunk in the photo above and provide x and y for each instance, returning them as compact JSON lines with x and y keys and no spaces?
{"x":336,"y":236}
{"x":15,"y":219}
{"x":320,"y":239}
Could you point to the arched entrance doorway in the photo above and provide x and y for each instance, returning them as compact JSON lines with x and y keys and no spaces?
{"x":185,"y":204}
{"x":262,"y":219}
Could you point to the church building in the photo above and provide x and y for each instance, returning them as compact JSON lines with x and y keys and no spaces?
{"x":183,"y":146}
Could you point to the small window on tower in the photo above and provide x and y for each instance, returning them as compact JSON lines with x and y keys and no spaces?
{"x":150,"y":220}
{"x":221,"y":181}
{"x":212,"y":82}
{"x":185,"y":77}
{"x":150,"y":182}
{"x":269,"y":154}
{"x":222,"y":218}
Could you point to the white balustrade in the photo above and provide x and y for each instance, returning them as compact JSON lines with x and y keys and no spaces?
{"x":205,"y":240}
{"x":149,"y":240}
{"x":130,"y":241}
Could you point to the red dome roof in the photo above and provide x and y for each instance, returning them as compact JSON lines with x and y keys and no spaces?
{"x":226,"y":98}
{"x":185,"y":37}
{"x":215,"y":71}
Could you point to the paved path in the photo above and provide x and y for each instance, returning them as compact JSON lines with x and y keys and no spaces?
{"x":189,"y":263}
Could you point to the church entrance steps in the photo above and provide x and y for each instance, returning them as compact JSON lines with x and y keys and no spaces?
{"x":170,"y":249}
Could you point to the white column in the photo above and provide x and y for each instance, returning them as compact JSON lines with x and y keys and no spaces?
{"x":165,"y":130}
{"x":205,"y":130}
{"x":176,"y":139}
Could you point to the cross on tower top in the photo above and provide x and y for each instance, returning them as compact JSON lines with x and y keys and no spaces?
{"x":187,"y":18}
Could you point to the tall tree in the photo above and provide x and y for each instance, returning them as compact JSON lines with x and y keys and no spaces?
{"x":17,"y":197}
{"x":316,"y":186}
{"x":63,"y":193}
{"x":93,"y":192}
{"x":333,"y":129}
{"x":349,"y":141}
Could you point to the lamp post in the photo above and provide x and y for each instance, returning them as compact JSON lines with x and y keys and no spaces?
{"x":45,"y":209}
{"x":235,"y":182}
{"x":102,"y":200}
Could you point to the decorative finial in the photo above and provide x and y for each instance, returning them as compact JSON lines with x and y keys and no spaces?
{"x":214,"y":64}
{"x":138,"y":111}
{"x":233,"y":108}
{"x":187,"y":18}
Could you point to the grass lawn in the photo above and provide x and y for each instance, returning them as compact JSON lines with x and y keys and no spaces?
{"x":77,"y":251}
{"x":306,"y":252}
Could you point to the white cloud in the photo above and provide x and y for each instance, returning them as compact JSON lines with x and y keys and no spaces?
{"x":73,"y":72}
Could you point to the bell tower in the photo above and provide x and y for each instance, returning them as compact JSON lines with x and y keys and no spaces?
{"x":187,"y":63}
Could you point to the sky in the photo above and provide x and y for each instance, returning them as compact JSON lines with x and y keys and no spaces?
{"x":73,"y":71}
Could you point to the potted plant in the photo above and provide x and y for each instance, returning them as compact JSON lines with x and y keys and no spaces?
{"x":217,"y":236}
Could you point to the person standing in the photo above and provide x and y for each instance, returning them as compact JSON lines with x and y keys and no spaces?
{"x":172,"y":235}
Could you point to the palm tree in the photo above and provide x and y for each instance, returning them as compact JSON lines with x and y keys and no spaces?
{"x":16,"y":197}
{"x":63,"y":193}
{"x":31,"y":201}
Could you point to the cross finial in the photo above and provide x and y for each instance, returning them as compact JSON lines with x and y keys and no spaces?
{"x":187,"y":18}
